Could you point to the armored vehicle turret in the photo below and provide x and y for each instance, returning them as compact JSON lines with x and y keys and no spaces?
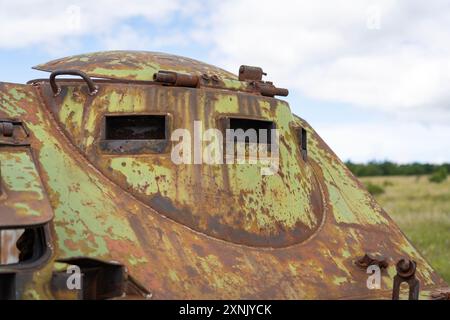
{"x":147,"y":175}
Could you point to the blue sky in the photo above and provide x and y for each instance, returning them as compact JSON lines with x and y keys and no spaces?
{"x":370,"y":76}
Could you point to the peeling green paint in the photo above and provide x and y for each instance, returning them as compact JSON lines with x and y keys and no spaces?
{"x":19,"y":173}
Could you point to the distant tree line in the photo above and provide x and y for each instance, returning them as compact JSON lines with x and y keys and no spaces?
{"x":387,"y":168}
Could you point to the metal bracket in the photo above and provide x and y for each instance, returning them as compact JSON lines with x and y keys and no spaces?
{"x":13,"y":133}
{"x":406,"y":272}
{"x":369,"y":260}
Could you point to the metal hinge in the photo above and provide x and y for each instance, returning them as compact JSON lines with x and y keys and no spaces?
{"x":254,"y":75}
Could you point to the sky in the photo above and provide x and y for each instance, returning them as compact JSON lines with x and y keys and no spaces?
{"x":371,"y":76}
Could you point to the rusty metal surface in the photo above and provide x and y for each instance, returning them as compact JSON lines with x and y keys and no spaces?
{"x":244,"y":215}
{"x":441,"y":294}
{"x":202,"y":231}
{"x":141,"y":66}
{"x":406,"y":272}
{"x":177,"y":79}
{"x":267,"y":89}
{"x":132,"y":65}
{"x":23,"y":200}
{"x":249,"y":73}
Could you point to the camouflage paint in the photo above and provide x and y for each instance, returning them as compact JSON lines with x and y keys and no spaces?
{"x":22,"y":200}
{"x":134,"y":65}
{"x":149,"y":215}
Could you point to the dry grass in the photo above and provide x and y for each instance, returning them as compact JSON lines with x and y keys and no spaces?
{"x":422,"y":211}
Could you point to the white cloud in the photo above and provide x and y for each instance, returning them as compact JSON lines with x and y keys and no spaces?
{"x":333,"y":51}
{"x":56,"y":24}
{"x":125,"y":38}
{"x":390,"y":56}
{"x":379,"y":54}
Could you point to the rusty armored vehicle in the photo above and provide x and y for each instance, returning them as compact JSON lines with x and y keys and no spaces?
{"x":88,"y":188}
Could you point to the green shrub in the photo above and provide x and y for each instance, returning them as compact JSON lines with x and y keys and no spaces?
{"x":439,"y":175}
{"x":387,"y":183}
{"x":374,"y":189}
{"x":387,"y":168}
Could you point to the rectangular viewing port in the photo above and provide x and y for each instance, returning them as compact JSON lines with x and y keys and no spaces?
{"x":135,"y":134}
{"x":251,"y":126}
{"x":135,"y":127}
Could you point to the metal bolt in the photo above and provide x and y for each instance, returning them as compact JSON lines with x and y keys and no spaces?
{"x":405,"y":268}
{"x":215,"y":78}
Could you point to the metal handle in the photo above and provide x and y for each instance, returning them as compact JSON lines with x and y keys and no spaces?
{"x":93,"y":89}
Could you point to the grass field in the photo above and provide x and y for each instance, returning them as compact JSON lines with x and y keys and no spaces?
{"x":422,"y":210}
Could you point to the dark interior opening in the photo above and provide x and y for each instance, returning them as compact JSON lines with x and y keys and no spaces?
{"x":257,"y":125}
{"x":304,"y":143}
{"x":135,"y":127}
{"x":7,"y":286}
{"x":100,"y":280}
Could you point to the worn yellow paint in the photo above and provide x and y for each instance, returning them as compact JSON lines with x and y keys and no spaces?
{"x":126,"y":102}
{"x":227,"y":103}
{"x":339,"y":280}
{"x":233,"y":84}
{"x":351,"y":203}
{"x":60,"y":266}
